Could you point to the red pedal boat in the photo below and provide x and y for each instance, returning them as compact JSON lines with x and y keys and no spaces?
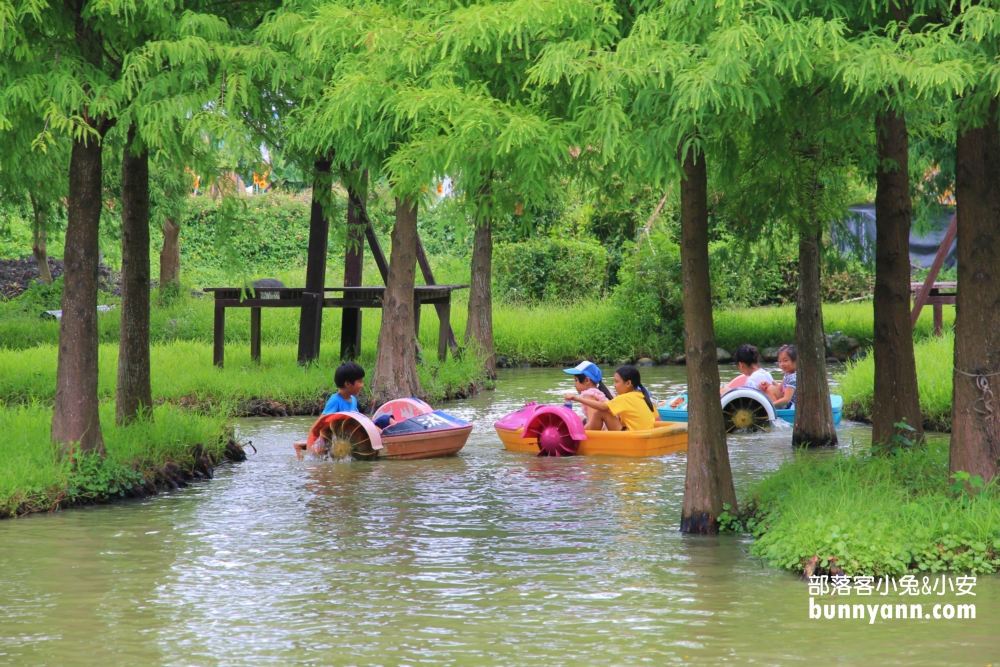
{"x":420,"y":432}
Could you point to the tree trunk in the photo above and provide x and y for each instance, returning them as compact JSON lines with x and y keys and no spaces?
{"x":813,"y":413}
{"x":75,"y":418}
{"x":133,"y":399}
{"x":896,"y":396}
{"x":479,"y":326}
{"x":170,"y":255}
{"x":975,"y":412}
{"x":38,"y":241}
{"x":311,"y":314}
{"x":708,"y":483}
{"x":395,"y":373}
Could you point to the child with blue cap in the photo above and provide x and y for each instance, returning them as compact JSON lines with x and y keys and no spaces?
{"x":588,"y":382}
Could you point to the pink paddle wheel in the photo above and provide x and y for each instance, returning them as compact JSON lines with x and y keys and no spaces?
{"x":558,"y":430}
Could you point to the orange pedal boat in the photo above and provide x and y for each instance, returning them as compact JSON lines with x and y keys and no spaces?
{"x":420,"y":432}
{"x":551,"y":430}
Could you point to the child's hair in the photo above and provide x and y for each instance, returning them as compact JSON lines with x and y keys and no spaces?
{"x":347,"y":372}
{"x":600,"y":385}
{"x":790,"y":350}
{"x":631,"y":374}
{"x":747,"y":354}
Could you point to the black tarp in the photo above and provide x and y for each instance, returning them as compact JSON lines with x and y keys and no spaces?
{"x":856,"y":235}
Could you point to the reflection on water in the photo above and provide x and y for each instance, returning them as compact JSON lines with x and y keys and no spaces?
{"x":487,"y":558}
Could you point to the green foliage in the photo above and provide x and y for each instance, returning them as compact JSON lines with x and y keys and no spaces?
{"x":35,"y":477}
{"x":35,"y":300}
{"x":549,"y":269}
{"x":94,"y":478}
{"x":649,"y":288}
{"x":935,"y":360}
{"x":874,"y":514}
{"x":274,"y":232}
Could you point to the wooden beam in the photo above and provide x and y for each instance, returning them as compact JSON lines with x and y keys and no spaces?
{"x":932,"y":274}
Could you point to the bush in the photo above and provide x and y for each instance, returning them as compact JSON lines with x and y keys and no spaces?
{"x":545,"y":269}
{"x":649,"y":289}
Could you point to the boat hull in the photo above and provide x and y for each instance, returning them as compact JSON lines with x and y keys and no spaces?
{"x":425,"y":445}
{"x":836,"y":403}
{"x":667,"y":439}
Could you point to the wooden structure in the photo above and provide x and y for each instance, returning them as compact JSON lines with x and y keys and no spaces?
{"x":313,"y":298}
{"x":354,"y":298}
{"x":932,"y":293}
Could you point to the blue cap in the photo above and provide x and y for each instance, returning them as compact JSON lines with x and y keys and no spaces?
{"x":587,"y":368}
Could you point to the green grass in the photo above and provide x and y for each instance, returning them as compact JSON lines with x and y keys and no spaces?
{"x":561,"y":333}
{"x":182,"y":372}
{"x":771,"y":326}
{"x":875,"y":515}
{"x":35,"y":477}
{"x":935,"y":359}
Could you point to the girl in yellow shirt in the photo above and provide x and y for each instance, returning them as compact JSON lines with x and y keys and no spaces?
{"x":631,"y":410}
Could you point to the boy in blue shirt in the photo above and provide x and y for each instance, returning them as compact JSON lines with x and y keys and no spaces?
{"x":349,"y":379}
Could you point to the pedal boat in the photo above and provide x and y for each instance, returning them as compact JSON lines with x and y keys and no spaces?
{"x":555,"y":430}
{"x":743,"y":409}
{"x":420,"y":432}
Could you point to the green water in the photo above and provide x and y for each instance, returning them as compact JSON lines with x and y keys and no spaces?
{"x":487,"y":558}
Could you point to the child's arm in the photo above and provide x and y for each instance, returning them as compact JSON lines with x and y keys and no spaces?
{"x":786,"y":397}
{"x":589,"y":402}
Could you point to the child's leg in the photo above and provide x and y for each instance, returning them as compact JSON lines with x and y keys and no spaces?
{"x":604,"y":418}
{"x":774,"y":392}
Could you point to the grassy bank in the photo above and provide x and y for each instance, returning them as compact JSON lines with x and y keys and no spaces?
{"x":548,"y":333}
{"x":140,"y":456}
{"x":771,"y":326}
{"x":182,"y":373}
{"x":935,"y":361}
{"x":873,"y":515}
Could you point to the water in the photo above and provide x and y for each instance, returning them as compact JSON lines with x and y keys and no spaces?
{"x":488,"y":558}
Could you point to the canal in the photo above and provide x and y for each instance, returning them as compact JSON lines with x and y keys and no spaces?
{"x":486,"y":558}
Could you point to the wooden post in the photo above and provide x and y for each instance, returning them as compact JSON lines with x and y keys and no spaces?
{"x":416,"y":317}
{"x":219,"y":343}
{"x":932,"y":274}
{"x":350,"y":322}
{"x":311,"y":316}
{"x":938,"y":319}
{"x":445,"y":334}
{"x":443,"y":310}
{"x":255,"y":334}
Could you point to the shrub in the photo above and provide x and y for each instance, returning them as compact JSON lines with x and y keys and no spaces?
{"x":549,"y":269}
{"x":649,"y":288}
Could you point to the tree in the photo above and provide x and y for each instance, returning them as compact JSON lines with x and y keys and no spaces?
{"x":133,"y":398}
{"x":708,"y":482}
{"x":33,"y":176}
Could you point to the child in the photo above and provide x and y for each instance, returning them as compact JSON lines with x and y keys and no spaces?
{"x":783,"y":395}
{"x":349,"y":379}
{"x":588,"y":380}
{"x":748,"y":361}
{"x":631,"y":410}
